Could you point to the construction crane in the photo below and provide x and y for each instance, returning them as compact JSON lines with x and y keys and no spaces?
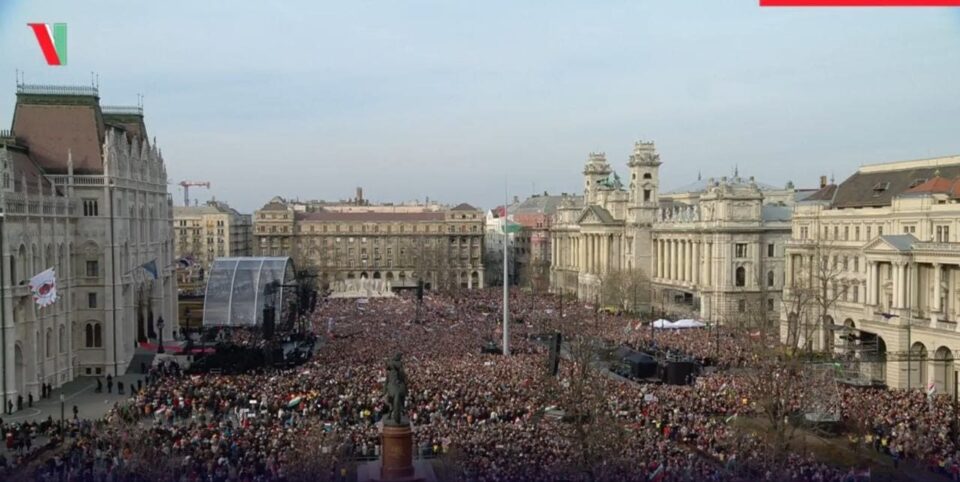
{"x":186,"y":189}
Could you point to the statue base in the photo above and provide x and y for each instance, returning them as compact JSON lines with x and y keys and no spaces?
{"x":396,"y":460}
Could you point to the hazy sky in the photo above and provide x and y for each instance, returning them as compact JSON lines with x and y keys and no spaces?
{"x":445,"y":98}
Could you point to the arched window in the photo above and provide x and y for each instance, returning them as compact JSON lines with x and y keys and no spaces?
{"x":62,"y":345}
{"x":88,"y":335}
{"x":49,"y":343}
{"x":647,"y":175}
{"x":97,"y":336}
{"x":741,"y":276}
{"x":769,"y":278}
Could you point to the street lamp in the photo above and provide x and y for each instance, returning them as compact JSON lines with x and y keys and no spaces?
{"x":160,"y":336}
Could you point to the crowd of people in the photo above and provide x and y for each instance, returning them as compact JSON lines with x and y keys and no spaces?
{"x":485,"y":417}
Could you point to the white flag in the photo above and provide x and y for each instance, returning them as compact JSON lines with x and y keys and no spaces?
{"x":44,"y":288}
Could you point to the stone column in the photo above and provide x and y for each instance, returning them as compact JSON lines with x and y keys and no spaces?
{"x":868,"y":297}
{"x":659,"y":252}
{"x":605,"y":253}
{"x":685,"y":260}
{"x":671,"y":259}
{"x":696,"y":262}
{"x":936,"y":287}
{"x":898,"y":285}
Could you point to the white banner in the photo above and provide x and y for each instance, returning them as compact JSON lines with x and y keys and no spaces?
{"x":44,"y":288}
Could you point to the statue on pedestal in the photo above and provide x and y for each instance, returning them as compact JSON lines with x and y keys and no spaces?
{"x":396,"y":392}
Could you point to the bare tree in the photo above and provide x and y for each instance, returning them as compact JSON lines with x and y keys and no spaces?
{"x":627,"y":289}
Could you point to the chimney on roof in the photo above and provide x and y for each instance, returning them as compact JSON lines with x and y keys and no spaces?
{"x":823,"y":182}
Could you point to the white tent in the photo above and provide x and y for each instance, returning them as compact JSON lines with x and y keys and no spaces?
{"x":661,"y":323}
{"x":676,"y":325}
{"x":688,"y":324}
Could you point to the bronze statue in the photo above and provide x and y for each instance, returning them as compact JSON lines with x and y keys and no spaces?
{"x":396,"y":391}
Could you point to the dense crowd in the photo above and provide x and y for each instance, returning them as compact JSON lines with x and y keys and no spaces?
{"x":486,"y":417}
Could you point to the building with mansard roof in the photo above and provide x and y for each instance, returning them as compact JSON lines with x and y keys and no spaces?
{"x":873,"y":273}
{"x":85,"y":192}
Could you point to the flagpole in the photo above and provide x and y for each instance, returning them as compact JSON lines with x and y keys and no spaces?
{"x":506,"y":292}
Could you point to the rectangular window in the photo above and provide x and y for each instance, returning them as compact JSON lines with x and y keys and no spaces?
{"x":879,"y":230}
{"x":856,"y":233}
{"x":943,"y":234}
{"x":93,"y":269}
{"x":769,"y":304}
{"x":91,"y":300}
{"x":846,"y":233}
{"x":836,"y":232}
{"x":856,"y":264}
{"x":742,"y":306}
{"x":869,"y":229}
{"x":90,"y":207}
{"x":646,"y":195}
{"x":741,"y":250}
{"x":771,"y":249}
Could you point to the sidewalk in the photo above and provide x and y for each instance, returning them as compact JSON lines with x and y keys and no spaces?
{"x":80,"y":392}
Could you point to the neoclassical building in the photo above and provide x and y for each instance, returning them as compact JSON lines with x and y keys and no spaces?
{"x":401,"y":244}
{"x":609,"y":228}
{"x":873,"y":273}
{"x":85,"y":192}
{"x":718,"y":250}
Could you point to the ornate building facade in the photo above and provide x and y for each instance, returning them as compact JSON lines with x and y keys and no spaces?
{"x":873,"y":273}
{"x":718,"y":250}
{"x":85,"y":192}
{"x":400,"y":244}
{"x":609,"y":228}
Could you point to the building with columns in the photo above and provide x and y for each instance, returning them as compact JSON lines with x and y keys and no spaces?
{"x":718,"y":250}
{"x":873,"y":273}
{"x":85,"y":192}
{"x":608,"y":229}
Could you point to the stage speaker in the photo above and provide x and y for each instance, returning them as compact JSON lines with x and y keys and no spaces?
{"x":419,"y":290}
{"x":553,"y":360}
{"x":662,"y":372}
{"x":678,"y":373}
{"x":268,"y":322}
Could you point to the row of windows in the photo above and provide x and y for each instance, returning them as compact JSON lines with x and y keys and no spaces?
{"x":740,"y":277}
{"x":741,"y":250}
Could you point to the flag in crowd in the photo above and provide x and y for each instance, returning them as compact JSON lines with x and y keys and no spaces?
{"x":44,"y":288}
{"x":185,"y":262}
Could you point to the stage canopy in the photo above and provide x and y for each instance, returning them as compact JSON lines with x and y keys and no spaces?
{"x":236,"y":290}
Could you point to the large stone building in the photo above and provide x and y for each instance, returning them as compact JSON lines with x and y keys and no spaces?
{"x":873,"y":273}
{"x":609,"y":228}
{"x":718,"y":250}
{"x":83,"y":191}
{"x":399,"y":244}
{"x":214,"y":230}
{"x":529,"y":263}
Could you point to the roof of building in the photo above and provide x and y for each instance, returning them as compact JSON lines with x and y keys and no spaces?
{"x":52,"y":121}
{"x":701,"y":185}
{"x":824,"y":194}
{"x":936,"y":185}
{"x":602,"y":214}
{"x":25,"y":171}
{"x":463,"y":207}
{"x":211,"y":207}
{"x":876,"y":185}
{"x":902,"y":242}
{"x":323,"y":215}
{"x":538,"y":204}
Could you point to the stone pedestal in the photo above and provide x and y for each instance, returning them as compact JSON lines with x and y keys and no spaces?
{"x":397,"y":454}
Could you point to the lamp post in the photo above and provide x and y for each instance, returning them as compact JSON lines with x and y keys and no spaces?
{"x":160,"y":336}
{"x":62,"y":432}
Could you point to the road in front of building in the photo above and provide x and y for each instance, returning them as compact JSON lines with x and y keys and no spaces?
{"x":81,"y":393}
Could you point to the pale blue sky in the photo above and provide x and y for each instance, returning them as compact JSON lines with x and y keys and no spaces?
{"x":442,"y":98}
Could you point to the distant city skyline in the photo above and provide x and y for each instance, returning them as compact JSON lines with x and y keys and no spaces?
{"x":416,"y":99}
